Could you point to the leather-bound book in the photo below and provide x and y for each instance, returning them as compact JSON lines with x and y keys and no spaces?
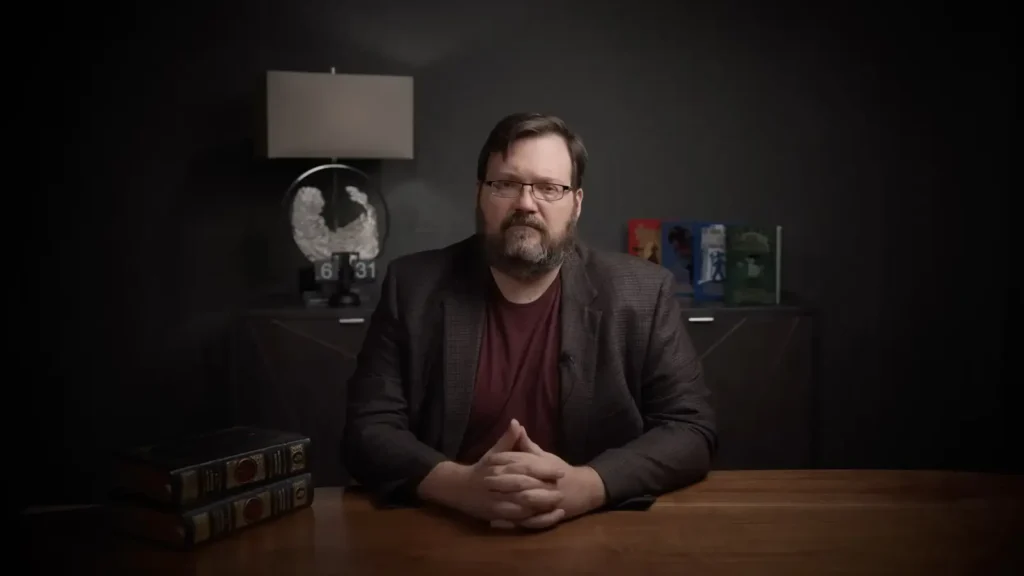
{"x":196,"y":470}
{"x":215,"y":520}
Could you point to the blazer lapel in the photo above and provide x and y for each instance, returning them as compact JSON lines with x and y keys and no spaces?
{"x":464,"y":309}
{"x":580,"y":324}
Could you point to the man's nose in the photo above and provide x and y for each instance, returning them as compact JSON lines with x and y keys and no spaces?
{"x":525,"y":201}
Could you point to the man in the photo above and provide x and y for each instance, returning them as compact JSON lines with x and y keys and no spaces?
{"x":519,"y":376}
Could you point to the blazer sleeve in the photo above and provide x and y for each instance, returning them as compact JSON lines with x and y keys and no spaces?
{"x":679,"y":438}
{"x":379,"y":449}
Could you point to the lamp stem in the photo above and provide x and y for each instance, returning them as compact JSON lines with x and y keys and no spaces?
{"x":334,"y":187}
{"x":334,"y":196}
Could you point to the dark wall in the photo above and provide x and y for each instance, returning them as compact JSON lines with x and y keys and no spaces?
{"x":879,"y":139}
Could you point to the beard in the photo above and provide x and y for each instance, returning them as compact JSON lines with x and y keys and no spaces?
{"x":523,"y":247}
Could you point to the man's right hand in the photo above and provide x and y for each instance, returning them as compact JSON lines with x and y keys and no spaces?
{"x":464,"y":488}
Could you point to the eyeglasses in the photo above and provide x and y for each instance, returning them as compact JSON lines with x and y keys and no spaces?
{"x":545,"y":191}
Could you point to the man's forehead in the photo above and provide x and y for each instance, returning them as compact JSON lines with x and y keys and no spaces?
{"x":544,"y":157}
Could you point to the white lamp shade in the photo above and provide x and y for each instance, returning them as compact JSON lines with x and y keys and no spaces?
{"x":324,"y":115}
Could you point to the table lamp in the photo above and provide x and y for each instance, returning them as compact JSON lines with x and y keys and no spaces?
{"x":339,"y":221}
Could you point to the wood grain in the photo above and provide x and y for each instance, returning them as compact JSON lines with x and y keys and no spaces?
{"x":736,"y":522}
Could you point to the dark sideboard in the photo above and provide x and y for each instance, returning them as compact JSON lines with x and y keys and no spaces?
{"x":761,"y":367}
{"x":289,"y":366}
{"x":288,"y":370}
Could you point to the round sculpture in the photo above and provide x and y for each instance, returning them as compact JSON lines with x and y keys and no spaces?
{"x":331,"y":211}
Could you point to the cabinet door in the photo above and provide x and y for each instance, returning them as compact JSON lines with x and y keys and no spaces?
{"x":758,"y":366}
{"x":292,"y":374}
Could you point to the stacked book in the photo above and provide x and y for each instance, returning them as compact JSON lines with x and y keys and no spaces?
{"x":201,"y":488}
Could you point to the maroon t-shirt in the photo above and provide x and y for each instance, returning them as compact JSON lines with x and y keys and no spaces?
{"x":517,"y":373}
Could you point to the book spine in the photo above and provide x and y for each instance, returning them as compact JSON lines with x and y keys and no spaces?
{"x":228,"y":475}
{"x":214,"y":521}
{"x":644,"y":238}
{"x":244,"y":510}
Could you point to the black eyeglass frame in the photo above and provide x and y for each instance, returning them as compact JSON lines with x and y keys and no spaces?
{"x":565,"y":189}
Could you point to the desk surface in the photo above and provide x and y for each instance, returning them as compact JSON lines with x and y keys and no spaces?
{"x":744,"y":523}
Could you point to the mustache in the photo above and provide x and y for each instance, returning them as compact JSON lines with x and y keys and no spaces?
{"x":522,"y":219}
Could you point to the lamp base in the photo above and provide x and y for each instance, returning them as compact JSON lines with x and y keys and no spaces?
{"x":344,"y":300}
{"x":316,"y":299}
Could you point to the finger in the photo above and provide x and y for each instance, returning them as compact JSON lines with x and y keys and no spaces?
{"x":536,"y":468}
{"x":509,"y":439}
{"x":503,"y":524}
{"x":527,"y":445}
{"x":545,"y":520}
{"x":506,"y":483}
{"x":502,"y":458}
{"x":508,"y":510}
{"x":502,"y":470}
{"x":537,"y":500}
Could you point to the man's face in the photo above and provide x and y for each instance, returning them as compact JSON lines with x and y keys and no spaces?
{"x":524,"y":236}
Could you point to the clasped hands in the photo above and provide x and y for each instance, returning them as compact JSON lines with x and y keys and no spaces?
{"x":517,"y":484}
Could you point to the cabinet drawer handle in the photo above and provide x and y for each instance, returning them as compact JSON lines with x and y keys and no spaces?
{"x":701,"y":319}
{"x":351,"y":320}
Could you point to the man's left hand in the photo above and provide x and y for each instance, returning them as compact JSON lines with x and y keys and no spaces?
{"x":581,"y":488}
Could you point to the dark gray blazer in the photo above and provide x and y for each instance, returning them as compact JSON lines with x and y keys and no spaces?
{"x":634,"y":403}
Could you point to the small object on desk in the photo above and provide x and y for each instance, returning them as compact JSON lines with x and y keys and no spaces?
{"x":187,"y":528}
{"x":198,"y":469}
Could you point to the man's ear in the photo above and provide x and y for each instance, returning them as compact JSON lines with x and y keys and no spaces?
{"x":579,"y":201}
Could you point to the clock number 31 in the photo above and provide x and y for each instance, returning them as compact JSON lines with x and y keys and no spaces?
{"x":364,"y":270}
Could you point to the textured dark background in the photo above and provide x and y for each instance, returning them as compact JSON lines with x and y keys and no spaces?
{"x":879,"y":136}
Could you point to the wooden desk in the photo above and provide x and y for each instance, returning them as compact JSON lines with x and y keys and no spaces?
{"x":744,"y":523}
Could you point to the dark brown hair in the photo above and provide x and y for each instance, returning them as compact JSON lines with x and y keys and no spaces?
{"x":521,"y":125}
